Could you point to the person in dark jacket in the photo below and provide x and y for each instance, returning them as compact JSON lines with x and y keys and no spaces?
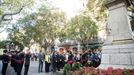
{"x":62,"y":61}
{"x":20,"y":61}
{"x":13,"y":60}
{"x":95,"y":60}
{"x":85,"y":57}
{"x":5,"y":60}
{"x":53,"y":61}
{"x":27,"y":61}
{"x":41,"y":60}
{"x":75,"y":58}
{"x":58,"y":61}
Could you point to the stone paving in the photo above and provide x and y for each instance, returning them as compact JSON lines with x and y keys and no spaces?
{"x":32,"y":71}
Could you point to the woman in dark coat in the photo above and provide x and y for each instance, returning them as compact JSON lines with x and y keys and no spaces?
{"x":5,"y":60}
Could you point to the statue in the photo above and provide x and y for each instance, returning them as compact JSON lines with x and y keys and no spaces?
{"x":108,"y":29}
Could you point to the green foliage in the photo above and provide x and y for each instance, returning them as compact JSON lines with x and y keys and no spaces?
{"x":81,"y":28}
{"x":23,"y":31}
{"x":15,"y":4}
{"x":43,"y":26}
{"x":76,"y":65}
{"x":4,"y":43}
{"x":1,"y":12}
{"x":48,"y":26}
{"x":97,"y":9}
{"x":18,"y":36}
{"x":132,"y":22}
{"x":131,"y":9}
{"x":66,"y":69}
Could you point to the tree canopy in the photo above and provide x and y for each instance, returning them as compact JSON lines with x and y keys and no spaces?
{"x":42,"y":27}
{"x":81,"y":28}
{"x":46,"y":25}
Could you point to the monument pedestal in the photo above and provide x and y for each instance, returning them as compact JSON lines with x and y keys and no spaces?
{"x":118,"y":55}
{"x":118,"y":51}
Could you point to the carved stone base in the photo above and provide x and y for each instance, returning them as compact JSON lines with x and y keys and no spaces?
{"x":118,"y":55}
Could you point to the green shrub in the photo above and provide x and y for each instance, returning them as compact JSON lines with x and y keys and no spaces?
{"x":66,"y":69}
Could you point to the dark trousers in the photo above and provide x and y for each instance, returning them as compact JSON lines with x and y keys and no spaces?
{"x":54,"y":66}
{"x":4,"y":68}
{"x":35,"y":58}
{"x":47,"y":65}
{"x":58,"y":65}
{"x":26,"y":69}
{"x":14,"y":65}
{"x":61,"y":64}
{"x":19,"y":69}
{"x":40,"y":66}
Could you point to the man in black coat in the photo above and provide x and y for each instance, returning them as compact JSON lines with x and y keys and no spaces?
{"x":85,"y":58}
{"x":20,"y":61}
{"x":13,"y":60}
{"x":62,"y":61}
{"x":58,"y":61}
{"x":27,"y":61}
{"x":41,"y":60}
{"x":53,"y":61}
{"x":5,"y":60}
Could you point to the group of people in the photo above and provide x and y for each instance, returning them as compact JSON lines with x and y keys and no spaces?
{"x":54,"y":61}
{"x":34,"y":56}
{"x":16,"y":59}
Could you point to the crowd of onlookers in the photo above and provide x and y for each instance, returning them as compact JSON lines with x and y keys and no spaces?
{"x":54,"y":60}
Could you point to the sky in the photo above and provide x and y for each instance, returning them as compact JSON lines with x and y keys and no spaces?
{"x":70,"y":7}
{"x":3,"y":35}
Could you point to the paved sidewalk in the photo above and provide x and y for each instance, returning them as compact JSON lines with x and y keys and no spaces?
{"x":33,"y":70}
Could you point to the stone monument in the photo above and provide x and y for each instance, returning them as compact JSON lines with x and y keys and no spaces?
{"x":118,"y":51}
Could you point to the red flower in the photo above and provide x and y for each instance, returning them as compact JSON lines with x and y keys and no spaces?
{"x":131,"y":73}
{"x":117,"y":72}
{"x":109,"y":70}
{"x":132,"y":70}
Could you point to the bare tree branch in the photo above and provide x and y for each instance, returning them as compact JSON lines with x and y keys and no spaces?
{"x":10,"y":14}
